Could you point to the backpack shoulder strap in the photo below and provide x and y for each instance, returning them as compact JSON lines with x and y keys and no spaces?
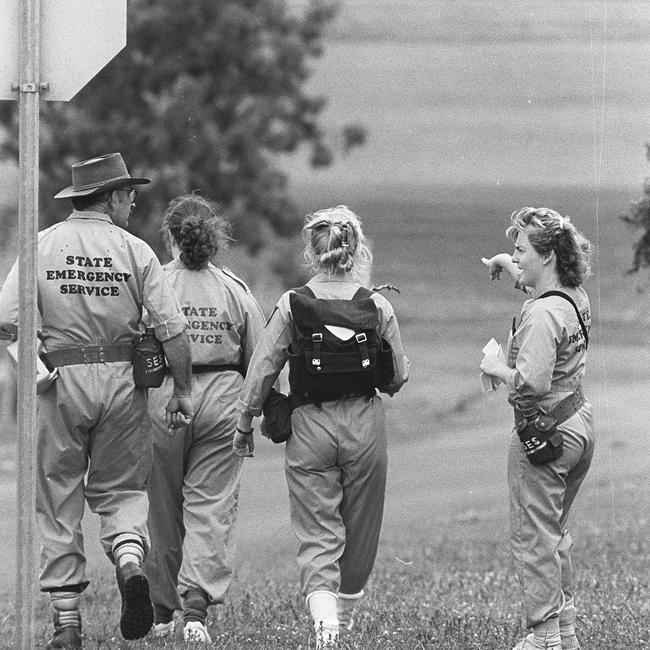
{"x":568,"y":298}
{"x":305,"y":291}
{"x":362,"y":293}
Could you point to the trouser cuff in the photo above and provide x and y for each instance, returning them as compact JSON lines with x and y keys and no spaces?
{"x":162,"y":614}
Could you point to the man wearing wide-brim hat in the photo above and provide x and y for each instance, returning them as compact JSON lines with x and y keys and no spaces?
{"x":94,"y":280}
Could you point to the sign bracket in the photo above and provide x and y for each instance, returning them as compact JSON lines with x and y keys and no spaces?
{"x":31,"y":87}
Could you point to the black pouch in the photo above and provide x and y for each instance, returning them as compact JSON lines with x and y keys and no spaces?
{"x":148,"y":361}
{"x":386,"y":364}
{"x":338,"y":373}
{"x":276,"y":425}
{"x":540,"y":439}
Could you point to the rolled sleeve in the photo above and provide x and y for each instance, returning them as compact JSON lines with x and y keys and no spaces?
{"x":160,"y":301}
{"x":171,"y":327}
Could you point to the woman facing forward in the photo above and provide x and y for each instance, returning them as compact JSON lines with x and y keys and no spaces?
{"x":336,"y":456}
{"x":195,"y":479}
{"x":553,"y":442}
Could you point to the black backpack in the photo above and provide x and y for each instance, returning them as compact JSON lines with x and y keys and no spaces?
{"x":324,"y":367}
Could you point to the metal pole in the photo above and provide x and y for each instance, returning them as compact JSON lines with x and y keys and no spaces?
{"x":27,"y":320}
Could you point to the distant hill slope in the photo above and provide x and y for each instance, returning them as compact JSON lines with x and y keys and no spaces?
{"x":484,"y":20}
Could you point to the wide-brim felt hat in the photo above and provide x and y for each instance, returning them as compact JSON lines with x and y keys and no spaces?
{"x":97,"y":175}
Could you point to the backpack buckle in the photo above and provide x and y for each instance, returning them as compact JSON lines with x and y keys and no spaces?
{"x":362,"y":339}
{"x":317,"y":339}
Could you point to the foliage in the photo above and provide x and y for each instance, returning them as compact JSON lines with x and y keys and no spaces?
{"x":203,"y":97}
{"x":638,"y":216}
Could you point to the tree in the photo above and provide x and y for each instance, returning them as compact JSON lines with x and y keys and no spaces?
{"x":638,"y":216}
{"x":203,"y":97}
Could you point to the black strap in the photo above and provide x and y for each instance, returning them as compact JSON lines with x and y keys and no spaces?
{"x":359,"y":294}
{"x":561,"y":294}
{"x":204,"y":368}
{"x":362,"y":342}
{"x":305,"y":291}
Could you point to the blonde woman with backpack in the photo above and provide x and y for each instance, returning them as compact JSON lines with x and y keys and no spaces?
{"x":343,"y":344}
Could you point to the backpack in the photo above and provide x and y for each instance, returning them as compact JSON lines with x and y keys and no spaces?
{"x":324,"y":366}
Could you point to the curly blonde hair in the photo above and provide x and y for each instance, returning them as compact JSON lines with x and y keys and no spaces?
{"x":334,"y":242}
{"x":548,"y":231}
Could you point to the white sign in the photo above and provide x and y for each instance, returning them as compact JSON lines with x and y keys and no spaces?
{"x":78,"y":38}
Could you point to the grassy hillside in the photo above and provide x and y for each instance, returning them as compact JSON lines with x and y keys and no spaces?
{"x":495,"y":20}
{"x":443,"y":577}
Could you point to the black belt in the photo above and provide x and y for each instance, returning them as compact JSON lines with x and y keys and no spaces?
{"x":200,"y":369}
{"x":90,"y":354}
{"x":300,"y":400}
{"x":564,"y":409}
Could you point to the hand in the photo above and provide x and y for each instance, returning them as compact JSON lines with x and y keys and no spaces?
{"x":8,"y":332}
{"x":243,"y":444}
{"x":493,"y":365}
{"x":498,"y":263}
{"x":179,"y":411}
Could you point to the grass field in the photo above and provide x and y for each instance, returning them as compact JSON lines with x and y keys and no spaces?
{"x":473,"y":109}
{"x":443,"y":577}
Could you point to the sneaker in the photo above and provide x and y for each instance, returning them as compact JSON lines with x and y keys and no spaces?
{"x":196,"y":632}
{"x":346,"y":621}
{"x":326,"y":639}
{"x":160,"y":630}
{"x":529,"y":644}
{"x":345,"y":610}
{"x":65,"y":637}
{"x":136,"y":616}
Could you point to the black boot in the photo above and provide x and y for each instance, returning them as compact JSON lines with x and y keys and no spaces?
{"x":137,"y":612}
{"x":64,"y":637}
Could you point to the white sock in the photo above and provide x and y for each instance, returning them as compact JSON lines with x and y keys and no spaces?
{"x":66,"y":605}
{"x":322,"y":607}
{"x":127,"y":547}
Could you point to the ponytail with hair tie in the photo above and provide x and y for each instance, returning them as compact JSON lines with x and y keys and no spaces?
{"x":344,"y":235}
{"x":335,"y":242}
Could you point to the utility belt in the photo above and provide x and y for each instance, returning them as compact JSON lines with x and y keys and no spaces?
{"x":201,"y":369}
{"x":297,"y":400}
{"x":539,"y":436}
{"x":89,"y":354}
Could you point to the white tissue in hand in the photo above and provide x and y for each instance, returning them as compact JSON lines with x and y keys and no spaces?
{"x":488,"y":382}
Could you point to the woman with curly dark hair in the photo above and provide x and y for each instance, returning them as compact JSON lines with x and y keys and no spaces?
{"x":553,"y":441}
{"x":194,"y":484}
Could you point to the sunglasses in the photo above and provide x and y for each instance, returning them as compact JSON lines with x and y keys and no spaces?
{"x":131,"y":192}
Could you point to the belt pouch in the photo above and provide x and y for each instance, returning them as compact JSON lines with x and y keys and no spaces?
{"x":541,"y":439}
{"x":148,"y":361}
{"x":276,"y":425}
